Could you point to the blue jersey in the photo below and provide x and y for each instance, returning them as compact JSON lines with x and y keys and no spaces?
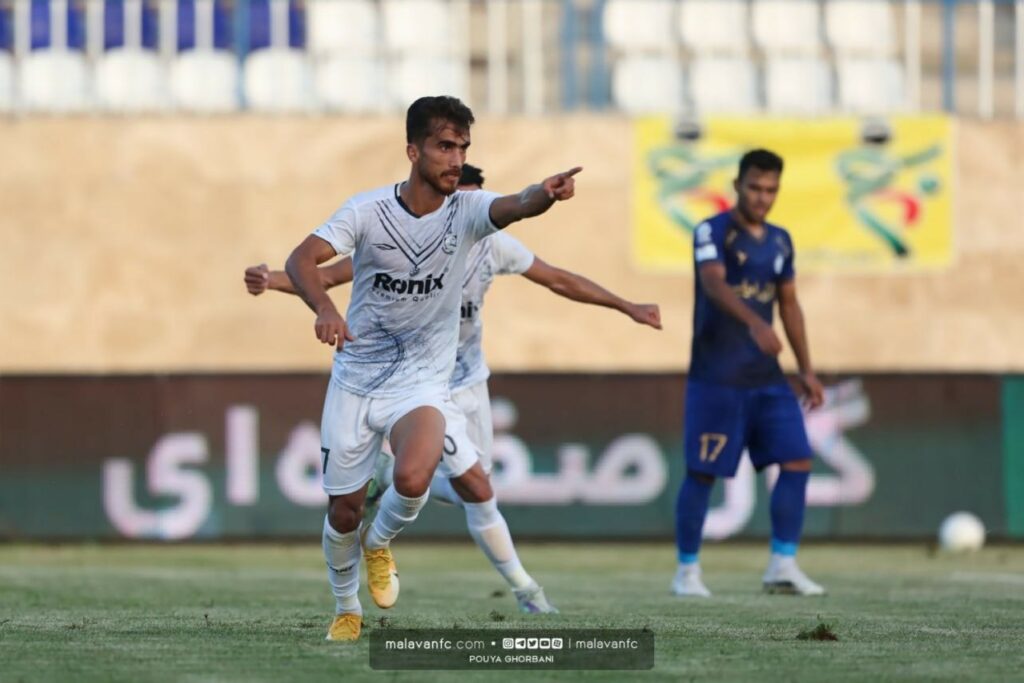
{"x":723,"y":350}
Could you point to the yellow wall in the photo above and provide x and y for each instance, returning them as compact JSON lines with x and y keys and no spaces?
{"x":124,"y":241}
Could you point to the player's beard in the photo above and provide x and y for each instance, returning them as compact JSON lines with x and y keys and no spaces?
{"x":443,"y":185}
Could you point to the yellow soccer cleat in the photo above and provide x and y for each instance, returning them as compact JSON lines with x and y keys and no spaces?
{"x":381,"y":575}
{"x":345,"y":627}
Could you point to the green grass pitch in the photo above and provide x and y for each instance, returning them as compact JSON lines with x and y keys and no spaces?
{"x":260,"y":612}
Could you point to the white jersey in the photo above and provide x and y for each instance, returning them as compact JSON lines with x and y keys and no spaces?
{"x":500,"y":254}
{"x":404,"y":310}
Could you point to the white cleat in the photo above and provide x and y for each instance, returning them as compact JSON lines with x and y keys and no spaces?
{"x":533,"y":601}
{"x":687,"y":582}
{"x":784,"y":577}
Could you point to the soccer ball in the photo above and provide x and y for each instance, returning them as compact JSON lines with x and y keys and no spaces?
{"x":962,"y":532}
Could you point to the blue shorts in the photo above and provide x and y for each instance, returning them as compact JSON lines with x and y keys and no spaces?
{"x":721,"y":420}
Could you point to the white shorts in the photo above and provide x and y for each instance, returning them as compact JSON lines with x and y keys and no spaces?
{"x":474,"y":402}
{"x":353,"y":429}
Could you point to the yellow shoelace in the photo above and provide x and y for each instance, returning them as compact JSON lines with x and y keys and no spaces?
{"x":378,"y":563}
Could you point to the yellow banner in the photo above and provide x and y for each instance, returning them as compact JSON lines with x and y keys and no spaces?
{"x":856,"y":196}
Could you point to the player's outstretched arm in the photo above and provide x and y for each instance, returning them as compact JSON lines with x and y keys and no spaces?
{"x":534,"y":200}
{"x":578,"y":288}
{"x":712,"y":279}
{"x":793,"y":322}
{"x":301,"y":268}
{"x":259,"y":279}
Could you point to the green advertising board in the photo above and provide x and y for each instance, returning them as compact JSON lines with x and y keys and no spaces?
{"x":598,"y":456}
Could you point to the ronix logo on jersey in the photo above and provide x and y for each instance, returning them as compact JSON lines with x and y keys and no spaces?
{"x":469,"y":310}
{"x":384,"y":282}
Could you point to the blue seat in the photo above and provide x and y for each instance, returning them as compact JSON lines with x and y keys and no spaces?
{"x":6,"y":27}
{"x":223,"y":29}
{"x":259,"y":24}
{"x":114,"y":29}
{"x":40,"y":25}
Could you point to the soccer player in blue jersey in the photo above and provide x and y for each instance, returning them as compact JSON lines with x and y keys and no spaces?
{"x":737,"y":397}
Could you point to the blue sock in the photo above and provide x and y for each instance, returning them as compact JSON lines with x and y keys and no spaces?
{"x":788,"y":502}
{"x":691,"y":509}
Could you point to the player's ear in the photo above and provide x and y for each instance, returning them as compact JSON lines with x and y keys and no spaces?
{"x":413,"y":152}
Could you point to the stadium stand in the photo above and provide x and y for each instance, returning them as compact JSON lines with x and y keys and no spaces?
{"x":277,"y":80}
{"x":787,"y":27}
{"x":644,"y":84}
{"x":425,"y":47}
{"x":723,"y":84}
{"x":6,"y":82}
{"x":865,"y":27}
{"x":640,"y":25}
{"x":798,"y":57}
{"x":343,"y":41}
{"x":870,"y":85}
{"x":131,"y":80}
{"x":205,"y":81}
{"x":55,"y":81}
{"x":798,"y":85}
{"x":710,"y":26}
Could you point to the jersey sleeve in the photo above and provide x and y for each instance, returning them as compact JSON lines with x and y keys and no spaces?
{"x":787,"y":271}
{"x":511,"y":257}
{"x":708,"y":244}
{"x":341,"y":229}
{"x":478,"y":207}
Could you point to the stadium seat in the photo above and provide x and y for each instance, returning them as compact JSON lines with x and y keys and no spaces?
{"x":6,"y":82}
{"x":870,"y":86}
{"x":190,"y":20}
{"x":343,"y":26}
{"x":863,"y":27}
{"x":53,"y":81}
{"x":787,"y":26}
{"x":798,"y":85}
{"x":277,"y":80}
{"x":636,"y":25}
{"x":350,"y":84}
{"x":275,"y":24}
{"x":715,"y":26}
{"x":646,"y":84}
{"x":414,"y":77}
{"x":205,"y":81}
{"x":421,"y":26}
{"x":130,"y":81}
{"x":723,"y":85}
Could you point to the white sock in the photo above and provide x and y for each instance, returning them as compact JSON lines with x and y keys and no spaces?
{"x":343,"y":552}
{"x":489,"y":529}
{"x":396,"y":511}
{"x":441,"y":489}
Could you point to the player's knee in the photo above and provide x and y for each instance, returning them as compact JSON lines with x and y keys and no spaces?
{"x":797,"y":466}
{"x":473,"y":487}
{"x":412,"y":483}
{"x":343,"y":515}
{"x":701,"y":477}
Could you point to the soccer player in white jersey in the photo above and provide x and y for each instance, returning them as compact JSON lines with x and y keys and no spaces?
{"x":396,"y":352}
{"x":463,"y":478}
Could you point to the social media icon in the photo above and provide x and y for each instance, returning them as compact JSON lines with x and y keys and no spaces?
{"x":556,"y":644}
{"x":545,"y":644}
{"x":520,"y":643}
{"x":507,"y":643}
{"x":531,"y":643}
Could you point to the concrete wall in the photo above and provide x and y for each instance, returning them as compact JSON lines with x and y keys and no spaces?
{"x":124,"y":241}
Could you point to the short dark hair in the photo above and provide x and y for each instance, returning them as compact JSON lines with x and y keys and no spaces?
{"x":426,"y":110}
{"x":761,"y":159}
{"x":471,"y":175}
